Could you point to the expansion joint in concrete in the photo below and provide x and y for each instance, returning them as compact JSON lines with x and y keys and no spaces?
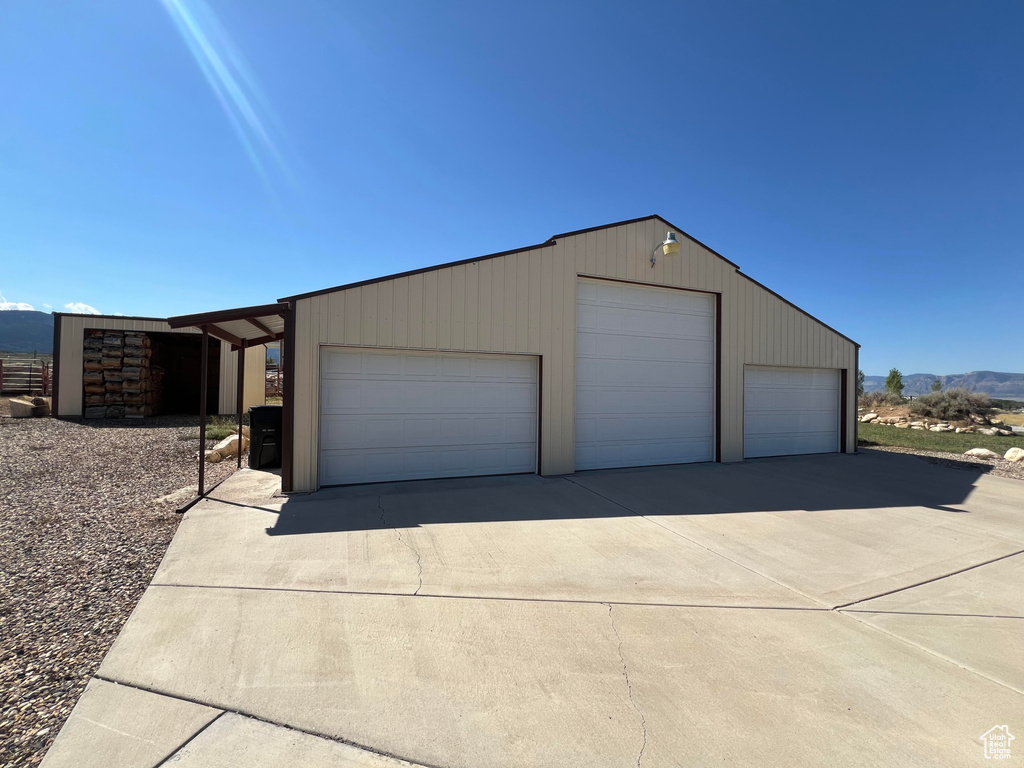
{"x":629,"y":689}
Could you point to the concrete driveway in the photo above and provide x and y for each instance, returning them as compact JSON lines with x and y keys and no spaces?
{"x":828,"y":610}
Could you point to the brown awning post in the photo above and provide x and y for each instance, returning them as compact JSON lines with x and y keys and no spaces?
{"x":243,"y":327}
{"x":203,"y":374}
{"x":241,"y":389}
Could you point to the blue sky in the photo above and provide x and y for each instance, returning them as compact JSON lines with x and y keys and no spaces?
{"x":863,"y":160}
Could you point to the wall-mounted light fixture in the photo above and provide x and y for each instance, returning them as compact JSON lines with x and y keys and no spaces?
{"x":670,"y":247}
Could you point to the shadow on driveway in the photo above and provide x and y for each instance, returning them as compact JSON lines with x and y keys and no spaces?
{"x":866,"y":480}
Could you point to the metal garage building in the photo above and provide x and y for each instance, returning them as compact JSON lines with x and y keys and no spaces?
{"x":69,"y":332}
{"x":576,"y":353}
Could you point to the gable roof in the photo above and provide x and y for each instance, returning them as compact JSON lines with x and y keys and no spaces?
{"x":551,"y":241}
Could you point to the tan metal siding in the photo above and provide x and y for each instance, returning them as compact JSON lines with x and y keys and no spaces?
{"x":255,"y":384}
{"x":72,"y":338}
{"x":525,"y":302}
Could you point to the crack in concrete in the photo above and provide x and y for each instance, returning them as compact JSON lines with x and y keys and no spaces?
{"x":411,"y":548}
{"x":629,"y":688}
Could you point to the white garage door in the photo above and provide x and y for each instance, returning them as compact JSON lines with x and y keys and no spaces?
{"x":391,"y":415}
{"x":790,"y":410}
{"x":645,"y":376}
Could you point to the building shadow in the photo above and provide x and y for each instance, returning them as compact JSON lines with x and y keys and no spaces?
{"x":871,"y":480}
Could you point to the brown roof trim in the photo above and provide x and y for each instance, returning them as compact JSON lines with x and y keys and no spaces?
{"x":551,"y":241}
{"x":226,"y":315}
{"x":110,"y":317}
{"x":606,"y":226}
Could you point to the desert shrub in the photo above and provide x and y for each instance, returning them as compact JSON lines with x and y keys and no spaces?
{"x":879,"y":399}
{"x":953,"y":404}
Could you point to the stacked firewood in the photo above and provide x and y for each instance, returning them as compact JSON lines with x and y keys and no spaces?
{"x":120,"y":381}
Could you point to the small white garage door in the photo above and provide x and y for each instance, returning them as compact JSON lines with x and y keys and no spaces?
{"x":645,"y":376}
{"x":396,"y":415}
{"x":790,"y":410}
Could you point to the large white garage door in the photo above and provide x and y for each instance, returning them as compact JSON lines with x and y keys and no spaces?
{"x":645,"y":376}
{"x":395,"y":415}
{"x":790,"y":410}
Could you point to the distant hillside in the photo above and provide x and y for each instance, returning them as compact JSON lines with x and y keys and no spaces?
{"x":992,"y":383}
{"x":26,"y":331}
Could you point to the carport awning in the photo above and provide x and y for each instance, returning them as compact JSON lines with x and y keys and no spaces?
{"x":252,"y":325}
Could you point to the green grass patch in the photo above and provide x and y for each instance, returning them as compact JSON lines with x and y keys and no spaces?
{"x":217,"y":428}
{"x":922,"y":439}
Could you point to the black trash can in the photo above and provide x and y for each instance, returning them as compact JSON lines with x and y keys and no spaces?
{"x":265,"y":436}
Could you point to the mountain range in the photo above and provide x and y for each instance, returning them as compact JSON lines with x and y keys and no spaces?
{"x":23,"y":330}
{"x":996,"y":384}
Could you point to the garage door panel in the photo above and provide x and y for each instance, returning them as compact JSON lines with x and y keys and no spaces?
{"x":623,"y":429}
{"x":645,"y":376}
{"x":634,"y":375}
{"x":646,"y":453}
{"x":403,"y":418}
{"x":790,"y":411}
{"x":599,"y":400}
{"x":644,"y":348}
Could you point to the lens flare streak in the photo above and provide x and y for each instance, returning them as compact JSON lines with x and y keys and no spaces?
{"x":229,"y":77}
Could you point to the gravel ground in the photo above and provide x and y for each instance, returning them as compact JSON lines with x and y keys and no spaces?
{"x":997,"y":467}
{"x":81,"y":535}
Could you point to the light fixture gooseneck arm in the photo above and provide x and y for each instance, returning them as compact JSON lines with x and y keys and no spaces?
{"x":669,"y":241}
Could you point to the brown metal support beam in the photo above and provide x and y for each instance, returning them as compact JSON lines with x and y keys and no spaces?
{"x":241,"y":390}
{"x":220,"y":333}
{"x":257,"y":324}
{"x":260,"y":340}
{"x":288,"y":414}
{"x":204,"y":365}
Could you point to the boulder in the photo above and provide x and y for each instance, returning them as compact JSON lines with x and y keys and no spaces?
{"x":982,"y":453}
{"x":996,"y":422}
{"x":1003,"y":432}
{"x":1015,"y":454}
{"x":868,"y":417}
{"x":913,"y":427}
{"x":917,"y":423}
{"x":902,"y":425}
{"x":229,"y":446}
{"x":213,"y":457}
{"x":965,"y":430}
{"x":940,"y":428}
{"x":986,"y":431}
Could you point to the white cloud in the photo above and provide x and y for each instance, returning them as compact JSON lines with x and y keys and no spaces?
{"x":8,"y":305}
{"x":80,"y":308}
{"x":48,"y":306}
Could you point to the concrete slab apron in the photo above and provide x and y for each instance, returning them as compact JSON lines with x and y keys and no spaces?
{"x":234,"y":741}
{"x":548,"y":540}
{"x":114,"y":726}
{"x":974,"y":619}
{"x":465,"y":682}
{"x":836,"y":554}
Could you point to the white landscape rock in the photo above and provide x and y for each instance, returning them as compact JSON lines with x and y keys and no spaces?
{"x":1015,"y":454}
{"x":868,"y":417}
{"x":941,"y":428}
{"x":227,"y":447}
{"x":982,"y":453}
